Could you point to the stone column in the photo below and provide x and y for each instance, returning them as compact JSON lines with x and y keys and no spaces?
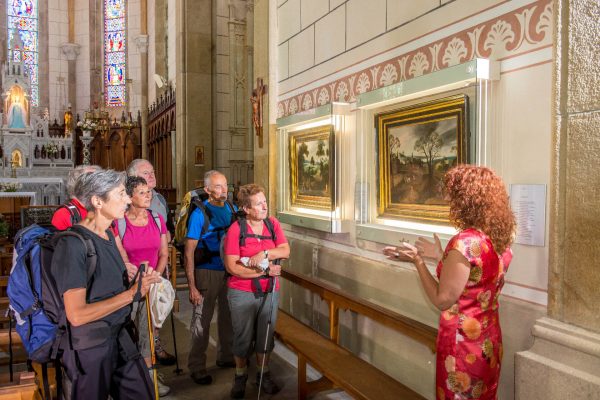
{"x":71,"y":51}
{"x":194,"y":88}
{"x":564,"y":361}
{"x":160,"y":42}
{"x":141,"y":42}
{"x":265,"y":61}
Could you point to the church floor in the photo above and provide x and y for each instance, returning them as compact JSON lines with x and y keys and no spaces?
{"x":183,"y":388}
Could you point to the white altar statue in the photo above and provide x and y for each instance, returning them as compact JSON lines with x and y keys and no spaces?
{"x":16,"y":116}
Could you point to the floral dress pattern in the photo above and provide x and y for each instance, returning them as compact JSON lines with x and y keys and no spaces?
{"x":469,"y":342}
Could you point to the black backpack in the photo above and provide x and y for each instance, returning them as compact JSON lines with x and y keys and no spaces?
{"x":203,"y":254}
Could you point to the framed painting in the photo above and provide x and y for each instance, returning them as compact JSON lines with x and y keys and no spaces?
{"x":416,"y":146}
{"x":199,"y":156}
{"x":311,"y":167}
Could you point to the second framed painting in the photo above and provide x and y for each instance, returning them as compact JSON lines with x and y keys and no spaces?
{"x":416,"y":146}
{"x":311,"y":168}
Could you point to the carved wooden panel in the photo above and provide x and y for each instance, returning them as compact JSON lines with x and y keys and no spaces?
{"x":161,"y":124}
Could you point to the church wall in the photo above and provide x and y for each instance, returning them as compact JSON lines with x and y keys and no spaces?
{"x":222,"y":88}
{"x":322,"y":54}
{"x":3,"y":33}
{"x":83,"y":67}
{"x":58,"y":67}
{"x":171,"y":41}
{"x":134,"y":66}
{"x":43,"y":67}
{"x":151,"y":51}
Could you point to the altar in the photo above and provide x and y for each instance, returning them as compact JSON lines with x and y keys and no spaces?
{"x":46,"y":190}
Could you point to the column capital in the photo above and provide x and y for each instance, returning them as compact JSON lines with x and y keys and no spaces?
{"x":141,"y":42}
{"x":70,"y":50}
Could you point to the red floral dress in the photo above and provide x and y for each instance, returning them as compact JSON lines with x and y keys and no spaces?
{"x":469,"y":342}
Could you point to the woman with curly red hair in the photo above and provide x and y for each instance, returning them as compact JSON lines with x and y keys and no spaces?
{"x":470,"y":277}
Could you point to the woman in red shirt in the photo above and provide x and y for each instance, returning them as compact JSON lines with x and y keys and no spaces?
{"x":253,"y":286}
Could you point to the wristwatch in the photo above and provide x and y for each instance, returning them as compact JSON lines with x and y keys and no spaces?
{"x":266,"y":254}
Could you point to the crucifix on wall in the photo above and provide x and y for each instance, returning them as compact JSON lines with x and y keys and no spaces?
{"x":257,"y":107}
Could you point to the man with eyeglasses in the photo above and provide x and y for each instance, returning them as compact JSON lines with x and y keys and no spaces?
{"x":143,"y":168}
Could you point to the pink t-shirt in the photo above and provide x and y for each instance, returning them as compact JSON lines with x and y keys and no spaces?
{"x":231,"y":247}
{"x":142,"y":243}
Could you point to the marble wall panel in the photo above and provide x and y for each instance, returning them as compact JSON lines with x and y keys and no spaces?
{"x":402,"y":11}
{"x":330,"y":35}
{"x":335,"y":3}
{"x":288,"y":20}
{"x":312,"y":10}
{"x":365,"y":20}
{"x":282,"y":58}
{"x":302,"y":51}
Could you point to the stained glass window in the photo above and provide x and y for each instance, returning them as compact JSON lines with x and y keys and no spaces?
{"x":23,"y":18}
{"x":114,"y":52}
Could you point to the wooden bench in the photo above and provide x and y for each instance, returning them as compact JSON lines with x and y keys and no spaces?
{"x":341,"y":368}
{"x":25,"y":389}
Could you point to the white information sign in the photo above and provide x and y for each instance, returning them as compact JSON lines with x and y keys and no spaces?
{"x":528,"y":202}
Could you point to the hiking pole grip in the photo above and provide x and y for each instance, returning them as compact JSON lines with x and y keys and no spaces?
{"x":144,"y":267}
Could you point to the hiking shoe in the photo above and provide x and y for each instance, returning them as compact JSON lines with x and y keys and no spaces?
{"x":225,"y":364}
{"x":239,"y":386}
{"x":268,"y":385}
{"x":161,"y":354}
{"x":201,"y":379}
{"x":163,"y":389}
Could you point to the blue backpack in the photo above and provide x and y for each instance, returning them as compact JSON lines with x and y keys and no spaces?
{"x":35,"y":303}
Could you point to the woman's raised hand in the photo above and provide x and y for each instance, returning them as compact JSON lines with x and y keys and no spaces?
{"x":149,"y":277}
{"x":429,"y":249}
{"x":404,"y":252}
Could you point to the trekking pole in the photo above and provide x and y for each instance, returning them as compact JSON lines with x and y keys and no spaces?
{"x":262,"y":367}
{"x":144,"y":267}
{"x":178,"y":370}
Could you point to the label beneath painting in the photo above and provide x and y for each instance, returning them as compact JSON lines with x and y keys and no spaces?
{"x":528,"y":202}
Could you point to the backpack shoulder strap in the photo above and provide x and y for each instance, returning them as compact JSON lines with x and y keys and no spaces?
{"x":73,"y":212}
{"x":271,"y":228}
{"x":200,"y":204}
{"x":243,"y":231}
{"x":92,"y":256}
{"x":156,"y":217}
{"x":121,"y":227}
{"x":234,"y":216}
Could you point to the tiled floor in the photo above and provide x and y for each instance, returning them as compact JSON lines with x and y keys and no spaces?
{"x":183,"y":388}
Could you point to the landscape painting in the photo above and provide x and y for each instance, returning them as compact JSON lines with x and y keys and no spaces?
{"x":417,"y":145}
{"x":311,"y":163}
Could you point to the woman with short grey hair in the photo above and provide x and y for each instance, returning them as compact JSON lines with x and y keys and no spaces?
{"x":103,"y":359}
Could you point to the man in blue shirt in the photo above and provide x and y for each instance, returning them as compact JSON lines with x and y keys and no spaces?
{"x":206,"y":277}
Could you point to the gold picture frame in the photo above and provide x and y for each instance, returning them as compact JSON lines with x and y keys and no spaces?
{"x":416,"y":146}
{"x":311,"y":167}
